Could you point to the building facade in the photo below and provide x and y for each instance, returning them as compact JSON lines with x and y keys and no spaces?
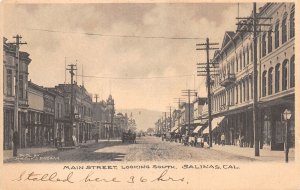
{"x":9,"y":90}
{"x":232,"y":88}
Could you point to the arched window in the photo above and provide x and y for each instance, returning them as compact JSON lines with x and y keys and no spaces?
{"x":244,"y":90}
{"x":292,"y":72}
{"x":241,"y":94}
{"x":270,"y":81}
{"x":237,"y":64}
{"x":264,"y":45}
{"x":284,"y":74}
{"x":270,"y":43}
{"x":292,"y":22}
{"x":284,"y":29}
{"x":244,"y":59}
{"x":251,"y":53}
{"x":264,"y":83}
{"x":276,"y":34}
{"x":241,"y":61}
{"x":277,"y":77}
{"x":247,"y":56}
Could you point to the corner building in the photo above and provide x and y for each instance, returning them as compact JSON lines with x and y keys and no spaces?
{"x":232,"y":88}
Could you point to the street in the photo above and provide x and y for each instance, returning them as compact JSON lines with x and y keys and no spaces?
{"x":148,"y":148}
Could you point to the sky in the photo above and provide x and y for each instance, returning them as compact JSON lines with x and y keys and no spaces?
{"x":139,"y":72}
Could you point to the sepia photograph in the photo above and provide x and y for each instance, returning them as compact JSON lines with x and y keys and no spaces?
{"x":142,"y":86}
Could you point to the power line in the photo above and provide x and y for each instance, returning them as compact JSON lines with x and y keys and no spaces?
{"x":117,"y":35}
{"x":135,"y":78}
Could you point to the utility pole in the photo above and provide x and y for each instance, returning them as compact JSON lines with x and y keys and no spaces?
{"x":96,"y":97}
{"x":189,"y":93}
{"x":178,"y":101}
{"x":250,"y":24}
{"x":170,"y":108}
{"x":16,"y":136}
{"x":71,"y":68}
{"x":205,"y":70}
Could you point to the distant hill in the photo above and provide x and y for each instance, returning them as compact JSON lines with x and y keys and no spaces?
{"x":144,"y":118}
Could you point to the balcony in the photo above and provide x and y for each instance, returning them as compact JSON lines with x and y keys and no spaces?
{"x":228,"y":79}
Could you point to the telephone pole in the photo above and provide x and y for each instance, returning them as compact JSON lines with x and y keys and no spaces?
{"x":71,"y":68}
{"x":250,"y":24}
{"x":205,"y":70}
{"x":16,"y":136}
{"x":189,"y":93}
{"x":96,"y":97}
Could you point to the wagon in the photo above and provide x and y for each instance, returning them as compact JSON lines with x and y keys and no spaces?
{"x":128,"y":137}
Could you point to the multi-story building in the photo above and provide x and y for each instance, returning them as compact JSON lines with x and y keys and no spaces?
{"x":48,"y":118}
{"x":82,"y":119}
{"x":232,"y":89}
{"x":121,"y":124}
{"x":100,"y":119}
{"x":9,"y":76}
{"x":34,"y":115}
{"x":61,"y":122}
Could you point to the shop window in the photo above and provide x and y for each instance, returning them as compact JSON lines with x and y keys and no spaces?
{"x":284,"y":75}
{"x":277,"y":77}
{"x":284,"y":29}
{"x":292,"y":72}
{"x":264,"y":83}
{"x":270,"y":81}
{"x":292,"y":22}
{"x":277,"y":34}
{"x":270,"y":43}
{"x":264,"y":45}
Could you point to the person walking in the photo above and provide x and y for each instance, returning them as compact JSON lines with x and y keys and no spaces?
{"x":223,"y":139}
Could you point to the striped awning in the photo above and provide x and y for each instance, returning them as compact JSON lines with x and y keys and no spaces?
{"x":215,"y":122}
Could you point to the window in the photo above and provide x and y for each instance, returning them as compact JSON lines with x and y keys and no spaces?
{"x":9,"y":79}
{"x":237,"y":94}
{"x":277,"y":77}
{"x":284,"y":29}
{"x":241,"y":61}
{"x":247,"y":85}
{"x":251,"y":83}
{"x":247,"y":56}
{"x":244,"y":91}
{"x":21,"y":86}
{"x":270,"y":81}
{"x":264,"y":45}
{"x":241,"y":97}
{"x":251,"y":53}
{"x":277,"y":34}
{"x":270,"y":40}
{"x":244,"y":59}
{"x":284,"y":75}
{"x":264,"y":83}
{"x":292,"y":22}
{"x":237,"y":64}
{"x":292,"y":72}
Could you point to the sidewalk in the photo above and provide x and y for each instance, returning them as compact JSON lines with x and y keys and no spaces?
{"x":265,"y":154}
{"x":7,"y":154}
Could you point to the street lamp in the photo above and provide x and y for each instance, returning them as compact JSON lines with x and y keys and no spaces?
{"x":287,"y":114}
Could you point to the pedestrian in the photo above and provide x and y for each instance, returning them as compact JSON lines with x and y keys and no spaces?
{"x":223,"y":139}
{"x":15,"y":143}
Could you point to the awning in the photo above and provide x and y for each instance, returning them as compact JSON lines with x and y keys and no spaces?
{"x":197,"y":129}
{"x":200,"y":121}
{"x":215,"y":122}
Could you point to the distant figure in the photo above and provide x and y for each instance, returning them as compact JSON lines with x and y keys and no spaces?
{"x":16,"y":143}
{"x":223,"y":139}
